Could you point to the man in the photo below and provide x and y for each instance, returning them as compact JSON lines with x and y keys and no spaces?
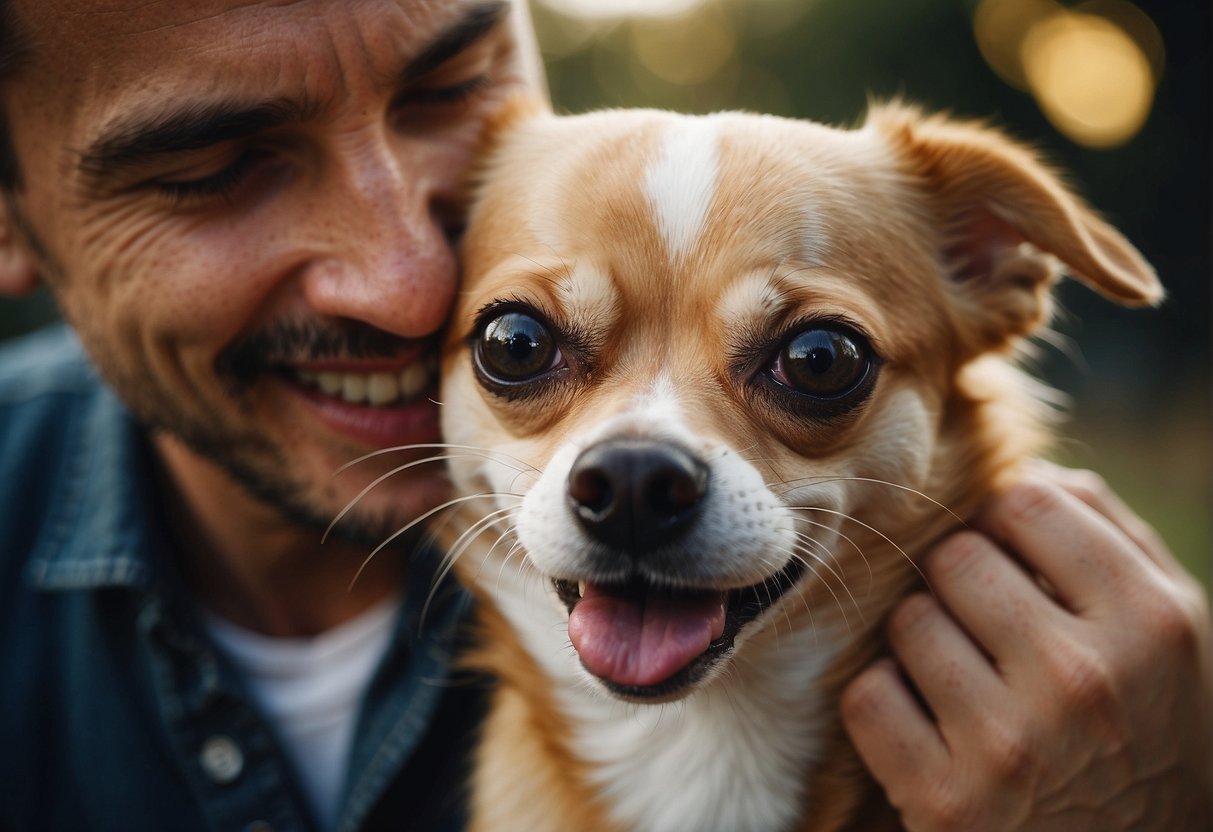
{"x":246,"y":213}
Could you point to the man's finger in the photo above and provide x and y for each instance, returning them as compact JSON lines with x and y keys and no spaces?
{"x":1094,"y":491}
{"x":1082,"y":555}
{"x":895,"y":738}
{"x":993,"y":599}
{"x":957,"y":681}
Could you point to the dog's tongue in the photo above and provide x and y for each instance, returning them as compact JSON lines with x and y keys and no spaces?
{"x":642,"y":640}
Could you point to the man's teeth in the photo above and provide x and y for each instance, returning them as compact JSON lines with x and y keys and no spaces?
{"x":371,"y":388}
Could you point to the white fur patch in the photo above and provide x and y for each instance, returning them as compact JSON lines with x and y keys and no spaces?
{"x":729,"y":758}
{"x":681,"y":182}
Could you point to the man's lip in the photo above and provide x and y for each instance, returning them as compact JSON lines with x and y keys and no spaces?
{"x":409,"y":423}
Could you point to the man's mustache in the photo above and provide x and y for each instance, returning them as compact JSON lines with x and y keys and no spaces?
{"x":292,"y":342}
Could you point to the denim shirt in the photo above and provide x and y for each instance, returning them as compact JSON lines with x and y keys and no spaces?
{"x":116,"y":710}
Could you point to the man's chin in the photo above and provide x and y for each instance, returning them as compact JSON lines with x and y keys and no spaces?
{"x":364,"y":504}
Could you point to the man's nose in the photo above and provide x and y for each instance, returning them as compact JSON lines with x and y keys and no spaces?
{"x":385,"y":217}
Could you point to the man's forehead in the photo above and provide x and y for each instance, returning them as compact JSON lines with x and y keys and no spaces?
{"x":132,"y":54}
{"x":111,"y":16}
{"x":113,"y":27}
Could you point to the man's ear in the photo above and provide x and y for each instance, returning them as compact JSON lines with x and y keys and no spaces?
{"x":1003,"y":217}
{"x":18,"y":272}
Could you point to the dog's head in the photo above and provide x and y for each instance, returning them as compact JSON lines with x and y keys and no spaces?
{"x":693,"y":347}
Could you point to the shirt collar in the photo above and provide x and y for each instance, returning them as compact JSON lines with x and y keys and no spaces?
{"x":102,"y":530}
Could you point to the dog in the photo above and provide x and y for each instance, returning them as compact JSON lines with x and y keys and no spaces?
{"x":713,"y":385}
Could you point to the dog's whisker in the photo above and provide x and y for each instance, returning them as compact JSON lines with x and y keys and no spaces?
{"x":826,"y":559}
{"x":535,"y":474}
{"x":812,"y":619}
{"x":376,"y":482}
{"x":551,"y":275}
{"x":456,"y":551}
{"x":841,"y":581}
{"x":474,"y":450}
{"x":800,"y":554}
{"x":473,"y":532}
{"x":804,"y":537}
{"x":808,"y":564}
{"x":823,"y":479}
{"x":509,"y":555}
{"x":804,"y":602}
{"x":863,"y":558}
{"x":417,"y":520}
{"x":873,"y":530}
{"x":515,"y":548}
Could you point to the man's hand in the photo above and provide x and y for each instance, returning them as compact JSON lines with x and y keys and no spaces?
{"x":1059,"y":678}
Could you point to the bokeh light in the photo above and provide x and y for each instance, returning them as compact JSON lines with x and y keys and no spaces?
{"x":1090,"y":78}
{"x":1092,"y":69}
{"x":686,"y":50}
{"x":1001,"y":26}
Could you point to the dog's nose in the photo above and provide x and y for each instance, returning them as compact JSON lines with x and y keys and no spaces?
{"x":635,"y":495}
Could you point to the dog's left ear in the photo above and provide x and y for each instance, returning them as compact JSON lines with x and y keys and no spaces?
{"x":990,"y":196}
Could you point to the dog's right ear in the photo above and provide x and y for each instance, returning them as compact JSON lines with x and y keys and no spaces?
{"x":18,"y":272}
{"x":990,"y":196}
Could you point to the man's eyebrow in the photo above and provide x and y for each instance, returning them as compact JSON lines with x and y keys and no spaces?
{"x":135,"y":141}
{"x":474,"y":25}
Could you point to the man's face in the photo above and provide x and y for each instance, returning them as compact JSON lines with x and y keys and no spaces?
{"x":247,"y":212}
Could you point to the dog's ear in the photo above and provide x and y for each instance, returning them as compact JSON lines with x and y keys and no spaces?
{"x":1004,"y":216}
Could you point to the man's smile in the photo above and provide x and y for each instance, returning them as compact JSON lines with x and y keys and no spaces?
{"x":387,"y":386}
{"x":378,"y":403}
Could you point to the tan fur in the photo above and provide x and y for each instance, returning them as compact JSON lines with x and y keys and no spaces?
{"x":922,"y":221}
{"x":524,"y":727}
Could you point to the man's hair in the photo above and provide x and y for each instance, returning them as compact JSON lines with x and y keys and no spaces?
{"x":13,"y":51}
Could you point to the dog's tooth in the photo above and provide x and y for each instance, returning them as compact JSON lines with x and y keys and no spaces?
{"x":382,"y":387}
{"x":413,"y":379}
{"x":353,"y":388}
{"x":330,"y":383}
{"x":581,"y":589}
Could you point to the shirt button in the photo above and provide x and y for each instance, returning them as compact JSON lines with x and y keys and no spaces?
{"x":221,"y":759}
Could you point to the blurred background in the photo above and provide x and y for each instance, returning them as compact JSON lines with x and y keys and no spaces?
{"x":1116,"y":93}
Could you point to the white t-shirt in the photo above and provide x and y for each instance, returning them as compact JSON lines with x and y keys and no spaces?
{"x":310,"y":690}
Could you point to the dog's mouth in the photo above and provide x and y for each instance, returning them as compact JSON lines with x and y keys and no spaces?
{"x":650,"y":643}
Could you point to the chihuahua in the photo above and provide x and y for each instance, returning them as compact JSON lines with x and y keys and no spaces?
{"x":714,"y":384}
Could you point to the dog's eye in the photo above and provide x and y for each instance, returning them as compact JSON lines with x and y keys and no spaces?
{"x":515,"y":347}
{"x":824,"y":363}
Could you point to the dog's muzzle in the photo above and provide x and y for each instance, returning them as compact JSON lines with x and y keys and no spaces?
{"x":643,"y":618}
